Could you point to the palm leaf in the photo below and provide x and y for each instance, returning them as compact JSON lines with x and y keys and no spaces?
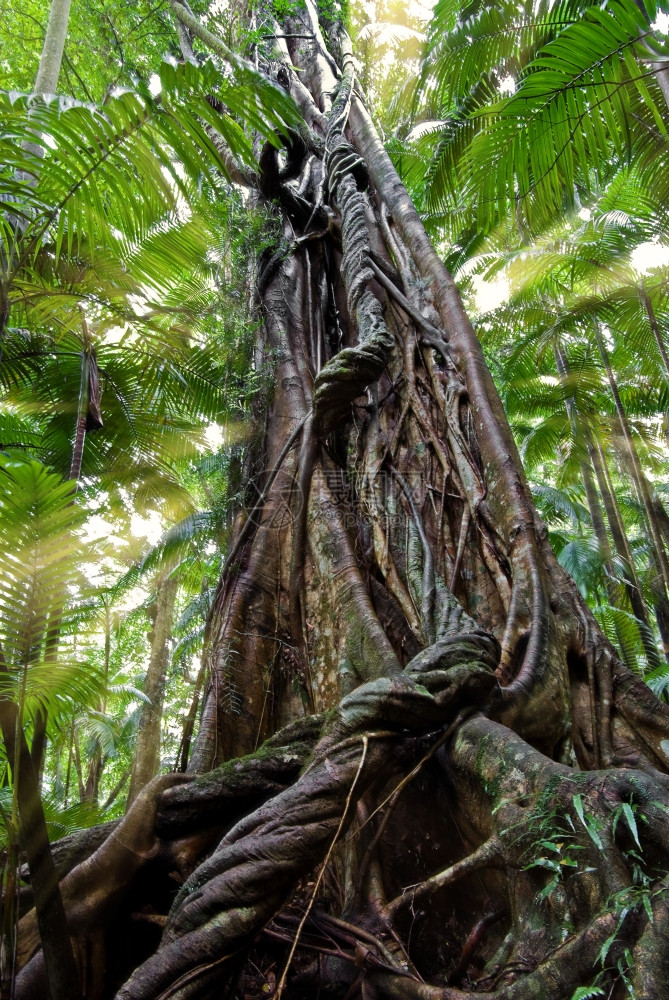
{"x":40,"y":556}
{"x":582,"y":95}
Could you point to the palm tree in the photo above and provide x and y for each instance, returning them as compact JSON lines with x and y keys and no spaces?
{"x":118,"y":314}
{"x":531,"y":108}
{"x":566,"y":288}
{"x":41,"y":557}
{"x":80,"y":262}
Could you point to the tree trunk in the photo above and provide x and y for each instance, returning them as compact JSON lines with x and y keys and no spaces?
{"x":50,"y":916}
{"x":452,"y":805}
{"x":650,"y":312}
{"x":611,"y":584}
{"x":97,"y":761}
{"x":616,"y":527}
{"x":146,"y":762}
{"x":54,"y":46}
{"x":631,"y":460}
{"x":48,"y":71}
{"x":661,"y":604}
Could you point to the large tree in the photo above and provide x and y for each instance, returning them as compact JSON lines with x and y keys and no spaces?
{"x":421,"y":770}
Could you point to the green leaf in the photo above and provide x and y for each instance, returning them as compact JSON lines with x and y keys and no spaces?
{"x":606,"y":947}
{"x":586,"y":992}
{"x":40,"y":554}
{"x":544,"y":863}
{"x":547,"y":889}
{"x":647,"y":907}
{"x":588,"y":821}
{"x":628,"y":813}
{"x":550,"y":845}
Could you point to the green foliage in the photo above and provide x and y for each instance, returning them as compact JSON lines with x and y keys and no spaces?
{"x":551,"y":835}
{"x":67,"y":167}
{"x":576,"y":279}
{"x":388,"y":37}
{"x":151,"y":275}
{"x":333,"y":10}
{"x":60,"y":822}
{"x":529,"y":108}
{"x":108,"y":45}
{"x":286,"y":8}
{"x":586,"y":992}
{"x":658,"y":681}
{"x":41,"y":556}
{"x":152,"y":279}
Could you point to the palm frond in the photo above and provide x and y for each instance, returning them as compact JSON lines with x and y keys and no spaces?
{"x":40,"y":556}
{"x":585,"y":94}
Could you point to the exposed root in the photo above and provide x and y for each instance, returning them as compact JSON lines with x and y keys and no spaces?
{"x":344,"y":817}
{"x":299,"y":532}
{"x":488,"y":855}
{"x":92,"y":888}
{"x":226,"y":902}
{"x":428,"y":592}
{"x":568,"y":967}
{"x":462,"y":541}
{"x":651,"y":955}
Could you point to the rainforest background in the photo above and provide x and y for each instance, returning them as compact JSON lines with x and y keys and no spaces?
{"x":262,"y":503}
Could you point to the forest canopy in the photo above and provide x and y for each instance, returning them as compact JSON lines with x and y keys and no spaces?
{"x":334,"y":562}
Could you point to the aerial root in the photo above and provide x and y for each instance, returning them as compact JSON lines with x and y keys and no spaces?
{"x":347,"y":805}
{"x":488,"y":855}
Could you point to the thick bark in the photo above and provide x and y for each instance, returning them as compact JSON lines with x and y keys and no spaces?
{"x":460,"y":818}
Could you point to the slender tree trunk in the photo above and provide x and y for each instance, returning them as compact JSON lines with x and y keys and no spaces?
{"x":80,"y":422}
{"x":661,"y":603}
{"x":631,"y":459}
{"x":38,"y":747}
{"x":63,"y":975}
{"x":78,"y":767}
{"x":116,"y":790}
{"x":46,"y":81}
{"x":612,"y":589}
{"x":623,"y":551}
{"x":48,"y":71}
{"x":146,"y":762}
{"x":652,"y":319}
{"x":68,"y":769}
{"x":632,"y":466}
{"x":183,"y":752}
{"x":97,"y":763}
{"x":630,"y":579}
{"x":88,"y":417}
